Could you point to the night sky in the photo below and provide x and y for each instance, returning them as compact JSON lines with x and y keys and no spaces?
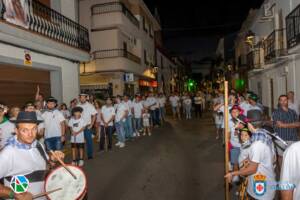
{"x":192,"y":28}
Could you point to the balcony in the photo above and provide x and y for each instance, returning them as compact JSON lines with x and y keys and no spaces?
{"x":292,"y":28}
{"x":47,"y":22}
{"x":115,"y":7}
{"x":274,"y":46}
{"x":254,"y":60}
{"x":114,"y":53}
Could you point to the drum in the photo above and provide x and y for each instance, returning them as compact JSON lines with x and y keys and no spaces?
{"x":71,"y":188}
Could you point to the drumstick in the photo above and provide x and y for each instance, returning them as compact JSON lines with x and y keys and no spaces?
{"x":45,"y":193}
{"x":63,"y":164}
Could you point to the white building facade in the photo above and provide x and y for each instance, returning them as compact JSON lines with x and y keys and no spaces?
{"x":273,"y":53}
{"x":122,"y":47}
{"x":42,"y":47}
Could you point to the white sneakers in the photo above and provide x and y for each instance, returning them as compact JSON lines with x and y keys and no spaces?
{"x":137,"y":134}
{"x":122,"y":145}
{"x":80,"y":163}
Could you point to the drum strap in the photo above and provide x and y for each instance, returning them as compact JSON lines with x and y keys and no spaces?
{"x":42,"y":151}
{"x":36,"y":176}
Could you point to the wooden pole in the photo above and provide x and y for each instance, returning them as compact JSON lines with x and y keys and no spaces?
{"x":226,"y":135}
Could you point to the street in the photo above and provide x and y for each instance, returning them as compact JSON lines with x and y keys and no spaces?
{"x":181,"y":160}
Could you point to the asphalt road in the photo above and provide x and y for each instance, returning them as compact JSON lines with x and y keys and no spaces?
{"x":182,"y":160}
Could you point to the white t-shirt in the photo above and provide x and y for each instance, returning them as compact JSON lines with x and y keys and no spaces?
{"x":198,"y":100}
{"x":76,"y":125}
{"x":221,"y":109}
{"x":129,"y":106}
{"x":290,"y":168}
{"x":234,"y":137}
{"x":138,"y":109}
{"x":108,"y":113}
{"x":244,"y":154}
{"x":121,"y":108}
{"x":294,"y":106}
{"x":187,"y":101}
{"x":152,"y":103}
{"x":162,"y":101}
{"x":52,"y":121}
{"x":174,"y":100}
{"x":146,"y":119}
{"x":18,"y":161}
{"x":66,"y":113}
{"x":7,"y":130}
{"x":98,"y":116}
{"x":262,"y":154}
{"x":246,"y":107}
{"x":88,"y":111}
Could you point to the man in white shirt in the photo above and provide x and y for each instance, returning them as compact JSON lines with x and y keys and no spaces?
{"x":198,"y":100}
{"x":152,"y":104}
{"x":128,"y":124}
{"x":24,"y":155}
{"x":252,"y":104}
{"x":290,"y":176}
{"x":7,"y":128}
{"x":120,"y":119}
{"x":162,"y":103}
{"x":174,"y":100}
{"x":137,"y":112}
{"x":54,"y":126}
{"x":293,"y":104}
{"x":89,"y":116}
{"x":260,"y":171}
{"x":107,"y":122}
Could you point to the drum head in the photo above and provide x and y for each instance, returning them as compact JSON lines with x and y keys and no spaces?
{"x":71,"y":189}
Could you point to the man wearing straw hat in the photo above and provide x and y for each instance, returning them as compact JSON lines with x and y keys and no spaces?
{"x":24,"y":155}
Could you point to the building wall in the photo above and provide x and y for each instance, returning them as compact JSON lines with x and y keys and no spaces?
{"x":64,"y":74}
{"x":110,"y":31}
{"x":283,"y":71}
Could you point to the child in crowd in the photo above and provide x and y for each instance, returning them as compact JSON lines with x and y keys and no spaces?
{"x":98,"y":107}
{"x":245,"y":140}
{"x":64,"y":110}
{"x":146,"y":122}
{"x":187,"y":102}
{"x":77,"y":125}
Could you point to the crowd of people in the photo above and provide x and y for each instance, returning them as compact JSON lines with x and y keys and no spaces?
{"x":86,"y":118}
{"x":33,"y":137}
{"x":264,"y":150}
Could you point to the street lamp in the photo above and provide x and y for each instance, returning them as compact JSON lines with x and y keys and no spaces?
{"x":249,"y":39}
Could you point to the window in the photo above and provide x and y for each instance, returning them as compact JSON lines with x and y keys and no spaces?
{"x":161,"y":62}
{"x":145,"y":57}
{"x":144,"y":25}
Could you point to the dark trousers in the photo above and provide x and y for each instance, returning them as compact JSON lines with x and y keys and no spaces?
{"x":152,"y":115}
{"x":157,"y":117}
{"x":89,"y":142}
{"x":108,"y":132}
{"x":198,"y":110}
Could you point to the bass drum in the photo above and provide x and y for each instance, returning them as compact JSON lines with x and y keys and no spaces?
{"x":70,"y":188}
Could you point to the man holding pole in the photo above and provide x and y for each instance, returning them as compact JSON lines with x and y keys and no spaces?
{"x":260,"y":170}
{"x":24,"y":155}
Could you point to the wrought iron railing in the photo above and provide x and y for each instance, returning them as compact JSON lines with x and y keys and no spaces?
{"x":113,"y":53}
{"x":45,"y":21}
{"x":253,"y":59}
{"x":292,"y":27}
{"x":115,"y":7}
{"x":274,"y":45}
